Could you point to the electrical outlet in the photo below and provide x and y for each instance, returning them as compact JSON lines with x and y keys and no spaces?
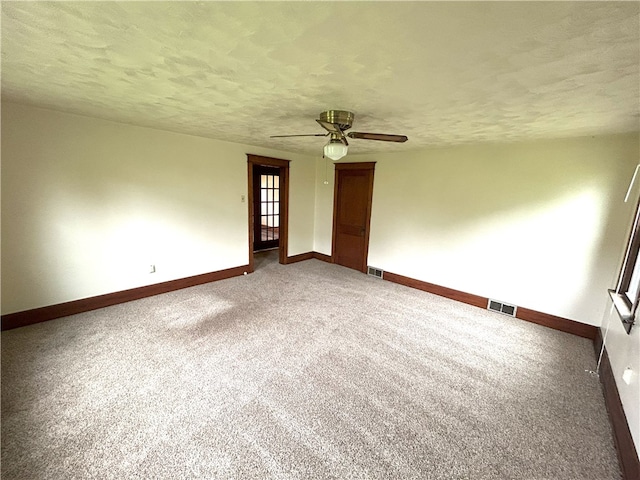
{"x":152,"y":269}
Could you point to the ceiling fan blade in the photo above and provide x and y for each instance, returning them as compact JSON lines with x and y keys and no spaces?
{"x":330,"y":127}
{"x":303,"y":135}
{"x":383,"y":137}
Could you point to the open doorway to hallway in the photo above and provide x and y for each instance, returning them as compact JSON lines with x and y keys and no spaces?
{"x":268,"y":191}
{"x":264,"y":258}
{"x":266,"y":207}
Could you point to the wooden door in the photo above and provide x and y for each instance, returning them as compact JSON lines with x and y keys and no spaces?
{"x":266,"y":197}
{"x":352,"y":214}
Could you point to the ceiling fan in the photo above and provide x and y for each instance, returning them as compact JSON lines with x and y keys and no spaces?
{"x":336,"y":122}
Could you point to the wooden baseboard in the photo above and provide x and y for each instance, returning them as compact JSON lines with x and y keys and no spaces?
{"x":300,"y":257}
{"x":551,"y":321}
{"x":627,"y":453}
{"x":557,"y":323}
{"x":323,"y":257}
{"x":309,"y":255}
{"x":469,"y":298}
{"x":42,"y":314}
{"x":28,"y":317}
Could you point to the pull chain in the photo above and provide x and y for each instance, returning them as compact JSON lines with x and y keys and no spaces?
{"x":326,"y":167}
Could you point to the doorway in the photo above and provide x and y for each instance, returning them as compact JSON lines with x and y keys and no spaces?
{"x":268,"y":190}
{"x":352,"y":214}
{"x":266,"y":207}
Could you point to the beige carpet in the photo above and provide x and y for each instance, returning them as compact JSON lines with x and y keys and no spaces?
{"x":306,"y":371}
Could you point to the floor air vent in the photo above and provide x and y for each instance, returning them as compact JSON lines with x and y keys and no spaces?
{"x":375,"y":272}
{"x":500,"y":307}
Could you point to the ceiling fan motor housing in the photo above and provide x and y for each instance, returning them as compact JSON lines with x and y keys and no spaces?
{"x":341,"y":118}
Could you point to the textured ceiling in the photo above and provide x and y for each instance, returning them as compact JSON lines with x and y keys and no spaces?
{"x":440,"y":72}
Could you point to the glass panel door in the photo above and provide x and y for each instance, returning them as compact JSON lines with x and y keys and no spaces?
{"x":269,"y":207}
{"x":266,"y":207}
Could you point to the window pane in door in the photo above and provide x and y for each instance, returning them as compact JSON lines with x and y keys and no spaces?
{"x":269,"y":206}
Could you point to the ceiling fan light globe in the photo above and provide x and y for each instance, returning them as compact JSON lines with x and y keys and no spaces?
{"x":335,"y":150}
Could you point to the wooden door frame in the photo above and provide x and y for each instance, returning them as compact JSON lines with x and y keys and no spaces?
{"x":284,"y":203}
{"x":352,"y":166}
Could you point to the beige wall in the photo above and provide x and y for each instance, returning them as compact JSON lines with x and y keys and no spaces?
{"x":540,"y":224}
{"x":624,"y":351}
{"x":323,"y":212}
{"x":88,"y":205}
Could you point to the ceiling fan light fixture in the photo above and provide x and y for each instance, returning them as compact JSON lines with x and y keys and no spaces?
{"x":335,"y":149}
{"x":336,"y":122}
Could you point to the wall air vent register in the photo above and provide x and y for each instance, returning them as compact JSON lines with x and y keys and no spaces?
{"x":504,"y":308}
{"x":375,"y":272}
